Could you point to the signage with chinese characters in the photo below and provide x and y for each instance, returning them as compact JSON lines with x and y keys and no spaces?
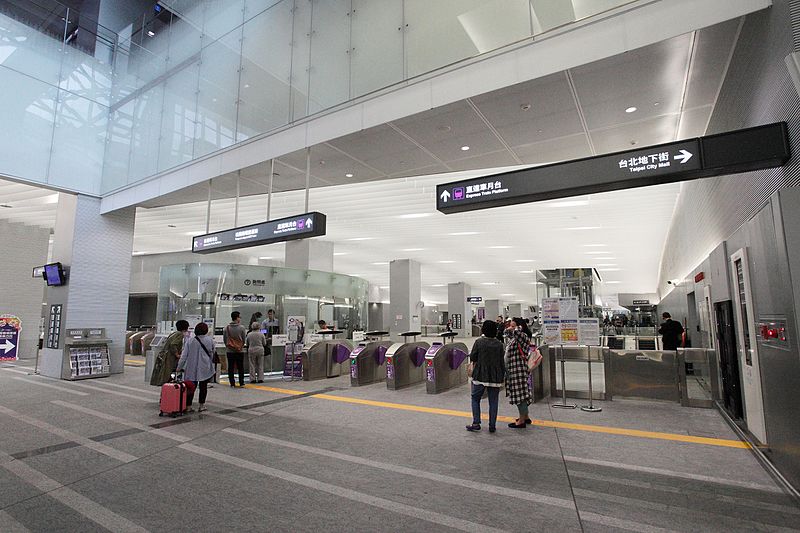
{"x":712,"y":155}
{"x":474,"y":299}
{"x":10,"y":327}
{"x":456,"y":319}
{"x":54,"y":326}
{"x":280,"y":230}
{"x":641,"y":302}
{"x":699,"y":277}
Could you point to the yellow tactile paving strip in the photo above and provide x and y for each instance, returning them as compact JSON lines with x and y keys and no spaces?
{"x":727,"y":443}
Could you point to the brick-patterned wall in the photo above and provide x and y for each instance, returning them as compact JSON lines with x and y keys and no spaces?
{"x":100,"y":273}
{"x":24,"y":247}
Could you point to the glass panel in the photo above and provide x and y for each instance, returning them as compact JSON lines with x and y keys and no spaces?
{"x":301,"y":50}
{"x":264,"y":88}
{"x":78,"y":144}
{"x":221,"y":16}
{"x":185,"y":41}
{"x":178,"y":124}
{"x":85,"y":76}
{"x":146,"y":132}
{"x":118,"y":147}
{"x":28,"y":111}
{"x":330,"y":54}
{"x":218,"y":92}
{"x":33,"y":48}
{"x":377,"y":42}
{"x":443,"y":32}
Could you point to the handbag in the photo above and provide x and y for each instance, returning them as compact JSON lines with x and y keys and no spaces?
{"x":534,"y":359}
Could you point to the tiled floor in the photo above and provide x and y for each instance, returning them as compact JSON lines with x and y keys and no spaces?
{"x":95,"y":456}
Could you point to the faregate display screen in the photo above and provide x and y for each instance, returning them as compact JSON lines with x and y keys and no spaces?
{"x":280,"y":230}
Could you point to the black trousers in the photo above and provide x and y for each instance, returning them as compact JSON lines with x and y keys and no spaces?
{"x":203,"y":386}
{"x":236,"y":359}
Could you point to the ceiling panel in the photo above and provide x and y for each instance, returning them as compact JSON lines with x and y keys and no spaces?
{"x":385,"y":149}
{"x":501,"y":158}
{"x":654,"y":130}
{"x":563,"y":149}
{"x":713,"y":47}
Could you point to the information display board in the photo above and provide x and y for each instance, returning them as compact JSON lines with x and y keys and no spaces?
{"x":54,"y":326}
{"x":561,"y":325}
{"x":279,"y":230}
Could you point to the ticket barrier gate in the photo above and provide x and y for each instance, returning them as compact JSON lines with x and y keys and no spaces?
{"x":405,"y":362}
{"x":445,"y":366}
{"x":368,"y":360}
{"x":327,"y":359}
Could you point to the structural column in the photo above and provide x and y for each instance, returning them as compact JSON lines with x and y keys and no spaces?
{"x":457,"y":305}
{"x":309,"y":254}
{"x":96,"y":251}
{"x":493,"y":309}
{"x":515,"y":310}
{"x":405,"y":296}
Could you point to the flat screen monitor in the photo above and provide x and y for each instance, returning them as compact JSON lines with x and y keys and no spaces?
{"x":54,"y":275}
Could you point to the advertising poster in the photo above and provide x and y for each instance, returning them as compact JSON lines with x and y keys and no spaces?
{"x":589,"y":331}
{"x":10,"y":327}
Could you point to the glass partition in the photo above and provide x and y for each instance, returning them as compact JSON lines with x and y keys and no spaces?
{"x":214,"y":290}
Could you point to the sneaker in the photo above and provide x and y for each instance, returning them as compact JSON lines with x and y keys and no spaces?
{"x":202,"y":408}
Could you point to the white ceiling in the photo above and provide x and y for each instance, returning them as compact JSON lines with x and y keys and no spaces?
{"x":395,"y":166}
{"x":27,"y":204}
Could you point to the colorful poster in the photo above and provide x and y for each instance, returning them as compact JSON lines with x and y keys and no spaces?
{"x":10,"y":327}
{"x":552,"y":332}
{"x":550,"y":309}
{"x":569,"y":332}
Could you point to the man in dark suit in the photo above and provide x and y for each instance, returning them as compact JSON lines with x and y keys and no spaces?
{"x":671,"y":332}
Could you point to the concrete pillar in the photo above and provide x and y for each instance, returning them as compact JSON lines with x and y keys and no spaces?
{"x":493,"y":309}
{"x":515,"y":310}
{"x":405,"y":295}
{"x":457,"y":304}
{"x":309,"y":254}
{"x":97,"y":251}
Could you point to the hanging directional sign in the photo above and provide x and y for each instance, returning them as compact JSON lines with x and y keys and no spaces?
{"x":280,"y":230}
{"x":713,"y":155}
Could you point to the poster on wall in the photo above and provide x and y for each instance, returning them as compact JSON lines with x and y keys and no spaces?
{"x":10,"y":327}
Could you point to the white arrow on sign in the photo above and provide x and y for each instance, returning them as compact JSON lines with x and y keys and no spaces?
{"x":684,"y":156}
{"x":309,"y":222}
{"x":444,"y":196}
{"x":7,"y":346}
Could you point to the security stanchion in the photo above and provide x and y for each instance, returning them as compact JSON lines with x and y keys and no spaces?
{"x":563,"y":404}
{"x":590,"y":408}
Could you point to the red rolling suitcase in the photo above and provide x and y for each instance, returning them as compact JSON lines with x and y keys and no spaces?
{"x":173,"y":399}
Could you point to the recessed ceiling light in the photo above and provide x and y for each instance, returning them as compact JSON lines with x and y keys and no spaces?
{"x":361,"y":239}
{"x":568,"y":203}
{"x":445,"y":262}
{"x":438,"y":285}
{"x":606,"y":259}
{"x":339,"y":253}
{"x":631,"y":109}
{"x":500,"y":247}
{"x":266,"y":257}
{"x":583,"y":228}
{"x":525,"y":107}
{"x":507,"y":294}
{"x":413,"y":249}
{"x":246,"y":85}
{"x":526,"y":271}
{"x":656,"y":103}
{"x":355,"y":275}
{"x":444,"y":128}
{"x":595,"y":245}
{"x":379,"y":263}
{"x":489,"y":283}
{"x":348,"y":175}
{"x":473,"y":272}
{"x":384,"y":286}
{"x":151,"y":33}
{"x":613,"y":282}
{"x":464,"y":148}
{"x":415,"y":215}
{"x":463,"y":233}
{"x":524,"y":260}
{"x":595,"y":252}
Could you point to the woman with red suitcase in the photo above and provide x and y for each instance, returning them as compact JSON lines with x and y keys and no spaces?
{"x":197,"y":364}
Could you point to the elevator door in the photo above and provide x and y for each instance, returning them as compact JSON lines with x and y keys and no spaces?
{"x":728,"y":360}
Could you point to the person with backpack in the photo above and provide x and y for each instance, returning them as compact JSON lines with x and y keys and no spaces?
{"x":197,"y":364}
{"x":235,"y":337}
{"x":167,"y":359}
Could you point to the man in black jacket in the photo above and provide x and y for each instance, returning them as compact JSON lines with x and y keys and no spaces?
{"x":671,"y":332}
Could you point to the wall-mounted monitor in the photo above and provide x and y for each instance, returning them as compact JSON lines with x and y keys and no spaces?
{"x":54,"y":275}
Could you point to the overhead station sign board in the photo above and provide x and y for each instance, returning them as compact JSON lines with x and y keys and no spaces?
{"x":726,"y":153}
{"x":279,"y":230}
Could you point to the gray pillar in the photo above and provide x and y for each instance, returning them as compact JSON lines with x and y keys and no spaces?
{"x":309,"y":254}
{"x":457,"y":304}
{"x":97,"y":250}
{"x":515,"y":310}
{"x":493,"y":309}
{"x":405,"y":294}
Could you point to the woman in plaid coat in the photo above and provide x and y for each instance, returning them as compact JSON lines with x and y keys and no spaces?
{"x":516,"y":359}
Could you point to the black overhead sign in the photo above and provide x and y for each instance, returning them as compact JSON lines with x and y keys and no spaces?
{"x":712,"y":155}
{"x":284,"y":229}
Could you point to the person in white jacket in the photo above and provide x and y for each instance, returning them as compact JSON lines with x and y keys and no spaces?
{"x":197,"y":363}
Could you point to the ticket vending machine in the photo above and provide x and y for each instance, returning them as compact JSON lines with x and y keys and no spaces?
{"x":445,"y":366}
{"x":327,"y":359}
{"x":405,"y":362}
{"x":368,"y":359}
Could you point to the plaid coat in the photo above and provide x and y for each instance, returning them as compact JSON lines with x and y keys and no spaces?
{"x":516,"y":358}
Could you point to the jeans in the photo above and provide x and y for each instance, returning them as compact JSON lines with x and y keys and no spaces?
{"x":477,"y":394}
{"x":522,"y":407}
{"x":235,"y":360}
